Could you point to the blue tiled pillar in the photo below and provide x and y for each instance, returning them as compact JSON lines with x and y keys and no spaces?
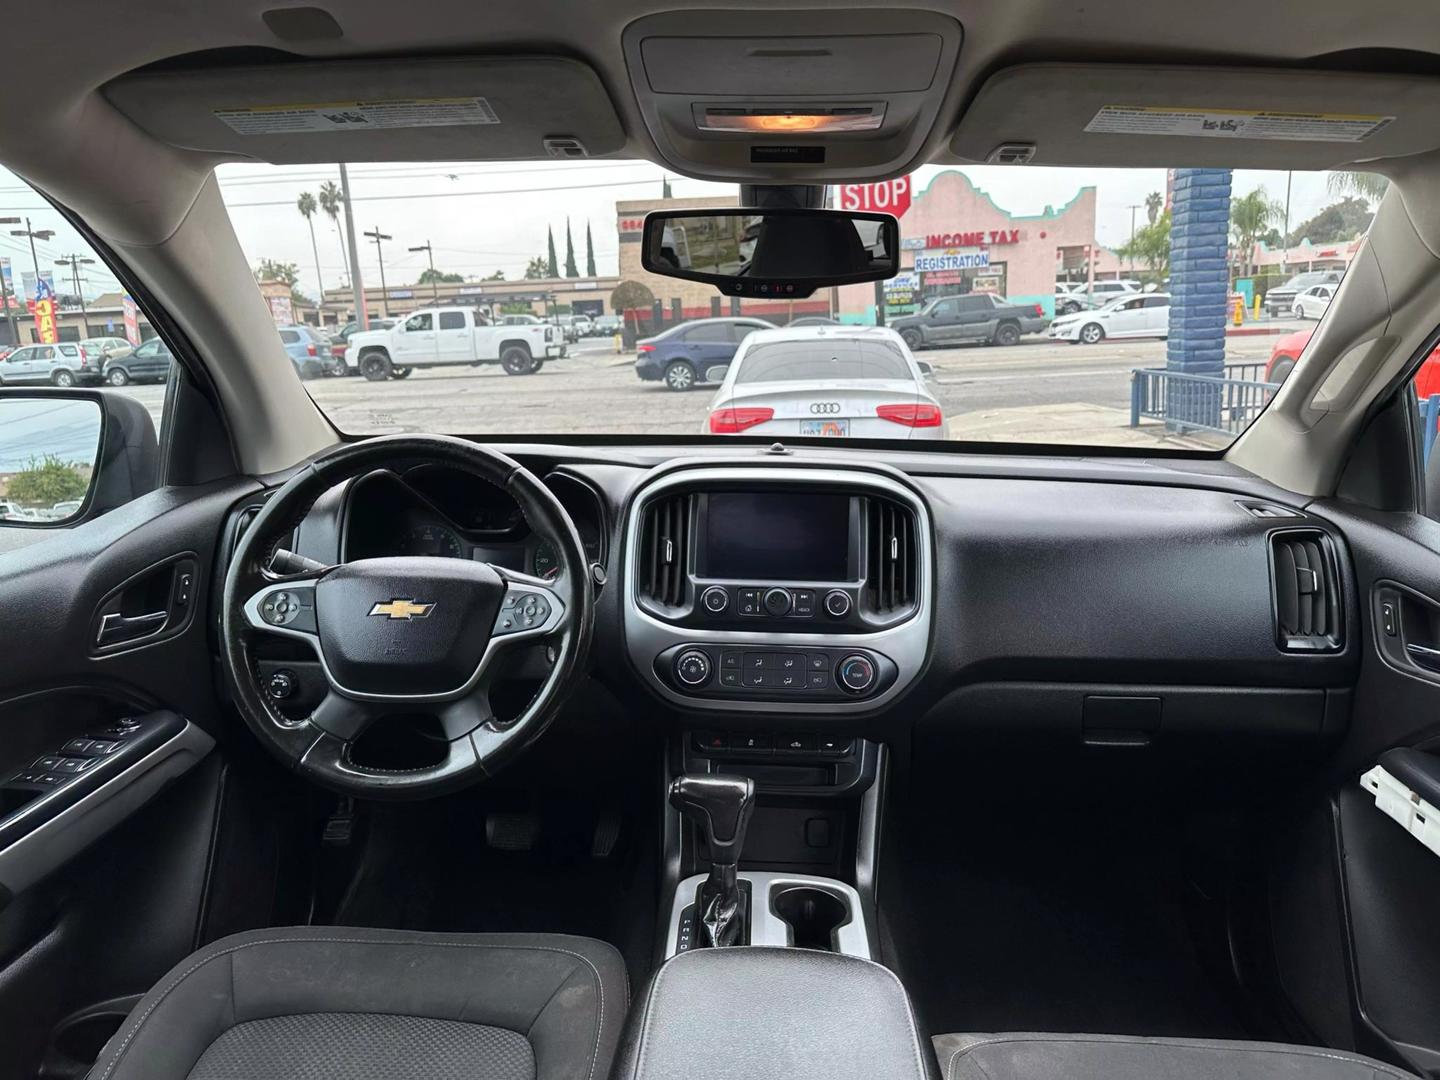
{"x":1199,"y":288}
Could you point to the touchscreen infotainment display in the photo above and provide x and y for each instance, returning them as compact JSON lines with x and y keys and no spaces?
{"x":770,"y":536}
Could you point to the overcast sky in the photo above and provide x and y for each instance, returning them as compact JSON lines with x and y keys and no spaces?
{"x":483,"y":218}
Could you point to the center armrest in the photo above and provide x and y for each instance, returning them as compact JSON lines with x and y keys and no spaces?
{"x":793,"y":1013}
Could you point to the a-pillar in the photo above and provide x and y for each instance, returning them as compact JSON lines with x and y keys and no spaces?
{"x":1199,"y":288}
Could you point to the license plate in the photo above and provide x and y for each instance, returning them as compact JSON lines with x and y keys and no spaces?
{"x":832,"y":429}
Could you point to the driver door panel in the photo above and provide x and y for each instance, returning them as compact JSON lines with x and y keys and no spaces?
{"x":101,"y":875}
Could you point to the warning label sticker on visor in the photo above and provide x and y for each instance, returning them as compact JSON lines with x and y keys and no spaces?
{"x":1235,"y":124}
{"x":358,"y":115}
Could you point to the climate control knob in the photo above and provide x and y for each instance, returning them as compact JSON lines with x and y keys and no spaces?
{"x":856,"y":673}
{"x":837,"y":603}
{"x":692,"y":667}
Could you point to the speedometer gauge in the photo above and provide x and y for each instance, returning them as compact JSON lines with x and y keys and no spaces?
{"x":547,"y":563}
{"x":434,"y":540}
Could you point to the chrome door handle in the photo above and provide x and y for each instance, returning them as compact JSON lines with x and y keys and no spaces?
{"x":1424,"y":655}
{"x":116,"y":627}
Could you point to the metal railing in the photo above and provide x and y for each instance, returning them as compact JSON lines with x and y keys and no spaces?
{"x":1226,"y":404}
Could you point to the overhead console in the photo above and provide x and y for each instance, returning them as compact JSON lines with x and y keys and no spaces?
{"x":804,"y":589}
{"x":781,"y":103}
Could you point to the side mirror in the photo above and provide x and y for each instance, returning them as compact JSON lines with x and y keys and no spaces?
{"x":926,"y":368}
{"x":71,"y":454}
{"x":780,"y":254}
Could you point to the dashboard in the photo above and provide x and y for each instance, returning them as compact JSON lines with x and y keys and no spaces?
{"x":1071,"y":599}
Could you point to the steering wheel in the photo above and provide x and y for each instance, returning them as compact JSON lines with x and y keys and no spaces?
{"x":405,"y":635}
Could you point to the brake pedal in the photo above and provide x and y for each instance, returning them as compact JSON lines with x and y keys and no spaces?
{"x":511,"y":831}
{"x":607,"y":833}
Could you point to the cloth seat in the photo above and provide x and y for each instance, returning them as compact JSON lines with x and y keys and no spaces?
{"x":331,"y":1003}
{"x":1026,"y":1056}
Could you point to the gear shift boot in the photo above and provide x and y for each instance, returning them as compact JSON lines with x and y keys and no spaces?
{"x":722,"y":918}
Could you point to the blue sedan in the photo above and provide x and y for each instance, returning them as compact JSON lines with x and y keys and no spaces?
{"x":693,"y":353}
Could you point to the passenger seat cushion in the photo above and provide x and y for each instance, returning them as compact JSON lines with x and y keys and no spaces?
{"x":1023,"y":1056}
{"x":334,"y":1003}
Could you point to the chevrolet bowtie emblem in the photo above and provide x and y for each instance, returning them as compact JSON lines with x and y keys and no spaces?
{"x":402,"y":609}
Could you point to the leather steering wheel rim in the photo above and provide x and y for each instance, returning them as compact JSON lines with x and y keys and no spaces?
{"x":312,"y":746}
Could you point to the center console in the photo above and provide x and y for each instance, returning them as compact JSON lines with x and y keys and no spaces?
{"x":806,"y":590}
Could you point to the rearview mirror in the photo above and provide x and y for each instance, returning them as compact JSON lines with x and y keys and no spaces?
{"x":771,"y":253}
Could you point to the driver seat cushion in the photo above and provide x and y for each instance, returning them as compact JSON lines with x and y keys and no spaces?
{"x":1030,"y":1056}
{"x":333,"y":1003}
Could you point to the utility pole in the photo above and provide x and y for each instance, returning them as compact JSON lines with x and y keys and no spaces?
{"x":434,"y":284}
{"x":1132,"y":220}
{"x":5,"y":293}
{"x":357,"y":287}
{"x":33,"y":235}
{"x":74,"y":262}
{"x":376,"y":235}
{"x":1285,"y":240}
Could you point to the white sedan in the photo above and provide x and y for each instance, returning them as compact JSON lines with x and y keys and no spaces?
{"x":858,"y":382}
{"x":1138,"y":316}
{"x":1313,"y":302}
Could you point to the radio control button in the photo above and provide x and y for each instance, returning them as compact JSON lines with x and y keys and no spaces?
{"x":837,"y":603}
{"x":777,"y":601}
{"x":693,"y":668}
{"x":748,"y":602}
{"x":715,"y":599}
{"x":804,"y":606}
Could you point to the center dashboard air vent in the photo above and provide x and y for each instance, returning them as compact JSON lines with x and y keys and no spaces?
{"x":891,"y":558}
{"x":1308,"y":614}
{"x":665,"y":550}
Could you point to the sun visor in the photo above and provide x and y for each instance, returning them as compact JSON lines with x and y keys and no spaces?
{"x":378,"y":110}
{"x":1122,"y":115}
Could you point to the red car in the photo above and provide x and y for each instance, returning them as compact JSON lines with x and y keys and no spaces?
{"x":1287,"y":350}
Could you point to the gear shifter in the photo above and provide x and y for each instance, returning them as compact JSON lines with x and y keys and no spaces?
{"x":720,"y":806}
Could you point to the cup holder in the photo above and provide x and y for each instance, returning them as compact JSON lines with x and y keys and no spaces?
{"x":813,"y":916}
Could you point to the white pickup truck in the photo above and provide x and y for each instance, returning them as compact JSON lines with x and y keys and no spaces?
{"x":442,"y":337}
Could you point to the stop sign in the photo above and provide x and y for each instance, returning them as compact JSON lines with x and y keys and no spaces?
{"x":887,"y":197}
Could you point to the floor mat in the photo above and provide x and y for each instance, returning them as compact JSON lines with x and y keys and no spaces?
{"x":1011,"y":923}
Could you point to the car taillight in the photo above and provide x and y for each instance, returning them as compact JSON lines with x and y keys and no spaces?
{"x":734,"y":421}
{"x":84,"y":359}
{"x":1039,"y":309}
{"x":643,"y":347}
{"x":310,"y":349}
{"x":911,"y":415}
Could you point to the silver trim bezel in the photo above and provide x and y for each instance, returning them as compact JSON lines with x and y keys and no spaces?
{"x":906,"y":643}
{"x":767,"y":928}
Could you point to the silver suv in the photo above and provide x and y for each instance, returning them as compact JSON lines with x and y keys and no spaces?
{"x":62,"y":364}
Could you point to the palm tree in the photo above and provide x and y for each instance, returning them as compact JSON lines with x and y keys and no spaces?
{"x":1369,"y":186}
{"x":331,"y":200}
{"x":307,"y":206}
{"x":1251,"y":217}
{"x":1154,"y":202}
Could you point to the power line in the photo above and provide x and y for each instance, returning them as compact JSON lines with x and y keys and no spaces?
{"x":459,"y":194}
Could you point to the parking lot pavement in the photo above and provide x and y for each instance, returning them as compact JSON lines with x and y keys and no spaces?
{"x":595,"y":391}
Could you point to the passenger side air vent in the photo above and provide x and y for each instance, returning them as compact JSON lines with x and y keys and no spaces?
{"x":1308,"y":613}
{"x":891,"y":558}
{"x":665,"y":550}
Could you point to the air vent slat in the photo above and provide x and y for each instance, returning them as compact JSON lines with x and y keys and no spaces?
{"x":1308,"y":613}
{"x":665,"y":550}
{"x":891,"y":560}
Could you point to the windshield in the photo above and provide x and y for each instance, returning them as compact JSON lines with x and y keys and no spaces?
{"x":822,"y":359}
{"x":568,"y":335}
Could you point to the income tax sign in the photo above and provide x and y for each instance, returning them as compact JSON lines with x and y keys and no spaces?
{"x":887,"y":197}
